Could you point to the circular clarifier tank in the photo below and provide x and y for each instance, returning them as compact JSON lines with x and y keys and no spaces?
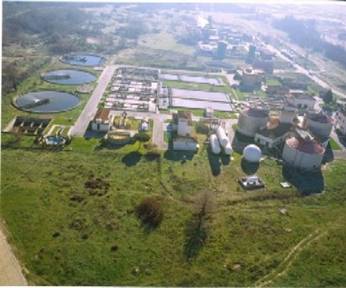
{"x":69,"y":77}
{"x":46,"y":102}
{"x":82,"y":59}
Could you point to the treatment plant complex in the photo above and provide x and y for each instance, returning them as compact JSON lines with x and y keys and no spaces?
{"x":171,"y":145}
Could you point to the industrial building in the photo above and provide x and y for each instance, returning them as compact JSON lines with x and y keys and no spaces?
{"x":27,"y":125}
{"x":251,"y":120}
{"x":184,"y":139}
{"x":302,"y":101}
{"x":102,"y":120}
{"x":251,"y":79}
{"x":319,"y":124}
{"x":273,"y":134}
{"x":134,"y":89}
{"x":302,"y":151}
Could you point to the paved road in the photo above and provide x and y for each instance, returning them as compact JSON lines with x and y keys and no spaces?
{"x":304,"y":71}
{"x":10,"y":270}
{"x":90,"y":108}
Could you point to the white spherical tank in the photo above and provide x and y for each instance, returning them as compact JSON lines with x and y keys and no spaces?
{"x":228,"y":149}
{"x":221,"y":135}
{"x":252,"y":153}
{"x":214,"y":144}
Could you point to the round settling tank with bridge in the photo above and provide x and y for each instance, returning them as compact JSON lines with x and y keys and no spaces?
{"x":82,"y":59}
{"x":69,"y":77}
{"x":46,"y":102}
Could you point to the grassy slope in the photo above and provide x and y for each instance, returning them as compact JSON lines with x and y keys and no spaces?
{"x":164,"y":41}
{"x":242,"y":228}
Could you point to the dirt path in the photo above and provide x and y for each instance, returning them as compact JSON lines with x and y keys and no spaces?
{"x":287,"y":262}
{"x":10,"y":270}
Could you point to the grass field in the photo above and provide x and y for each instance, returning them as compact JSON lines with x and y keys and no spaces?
{"x":197,"y":86}
{"x":273,"y":82}
{"x":164,"y":41}
{"x":334,"y":145}
{"x":67,"y":235}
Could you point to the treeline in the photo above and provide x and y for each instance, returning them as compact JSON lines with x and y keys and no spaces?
{"x":13,"y":73}
{"x":304,"y":33}
{"x":59,"y":28}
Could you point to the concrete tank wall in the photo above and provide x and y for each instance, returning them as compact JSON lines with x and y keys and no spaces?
{"x":301,"y":159}
{"x":249,"y":125}
{"x":322,"y":129}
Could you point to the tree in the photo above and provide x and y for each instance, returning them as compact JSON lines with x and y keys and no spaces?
{"x":328,"y":96}
{"x":142,"y":137}
{"x":149,"y":211}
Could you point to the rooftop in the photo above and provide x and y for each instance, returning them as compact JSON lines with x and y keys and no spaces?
{"x":276,"y":132}
{"x":306,"y":146}
{"x":102,"y":114}
{"x":319,"y":117}
{"x":185,"y":115}
{"x":257,"y":112}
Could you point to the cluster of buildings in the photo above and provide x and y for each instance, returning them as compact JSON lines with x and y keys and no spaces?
{"x":133,"y":89}
{"x":219,"y":42}
{"x":297,"y":132}
{"x":118,"y":129}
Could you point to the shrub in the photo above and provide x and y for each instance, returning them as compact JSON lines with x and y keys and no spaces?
{"x":149,"y":211}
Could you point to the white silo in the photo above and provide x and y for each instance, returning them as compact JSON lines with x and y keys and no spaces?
{"x":251,"y":120}
{"x":320,"y":124}
{"x":303,"y":154}
{"x":214,"y":144}
{"x":252,"y":153}
{"x":288,"y":113}
{"x":221,"y":135}
{"x":228,"y":149}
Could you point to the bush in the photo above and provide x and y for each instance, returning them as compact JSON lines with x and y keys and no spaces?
{"x":149,"y":211}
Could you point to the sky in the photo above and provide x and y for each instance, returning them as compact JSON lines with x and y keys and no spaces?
{"x":313,"y":2}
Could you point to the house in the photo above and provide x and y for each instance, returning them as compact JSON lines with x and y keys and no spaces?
{"x":302,"y":101}
{"x":251,"y":79}
{"x":272,"y":136}
{"x":102,"y":120}
{"x":209,"y":112}
{"x":184,"y":123}
{"x":340,"y":121}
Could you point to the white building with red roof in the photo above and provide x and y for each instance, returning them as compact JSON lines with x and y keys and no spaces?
{"x":302,"y":151}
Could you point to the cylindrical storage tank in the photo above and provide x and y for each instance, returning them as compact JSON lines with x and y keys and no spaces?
{"x":252,"y":153}
{"x":250,"y":120}
{"x":228,"y":149}
{"x":214,"y":144}
{"x":221,"y":135}
{"x":319,"y":124}
{"x":303,"y":154}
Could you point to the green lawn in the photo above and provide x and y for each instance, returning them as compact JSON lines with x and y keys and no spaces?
{"x":66,"y":235}
{"x":164,"y":41}
{"x":273,"y":82}
{"x":197,"y":86}
{"x":334,"y":145}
